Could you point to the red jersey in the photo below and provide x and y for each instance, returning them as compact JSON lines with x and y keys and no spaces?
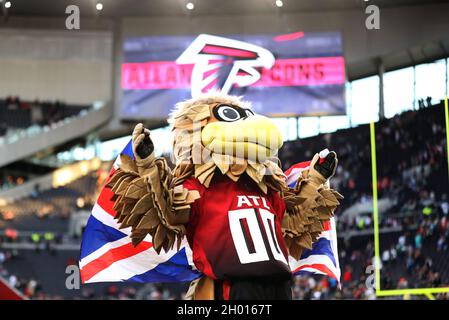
{"x":235,"y":230}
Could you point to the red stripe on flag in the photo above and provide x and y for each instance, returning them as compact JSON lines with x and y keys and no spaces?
{"x":106,"y":194}
{"x":319,"y":267}
{"x":111,"y":256}
{"x":300,"y":165}
{"x":105,"y":202}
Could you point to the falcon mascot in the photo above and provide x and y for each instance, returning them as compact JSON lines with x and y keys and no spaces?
{"x":228,"y":195}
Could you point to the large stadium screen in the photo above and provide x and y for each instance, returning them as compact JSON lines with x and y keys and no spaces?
{"x":300,"y":74}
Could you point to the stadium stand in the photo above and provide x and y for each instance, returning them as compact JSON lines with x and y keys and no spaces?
{"x":47,"y":210}
{"x":27,"y":128}
{"x":411,"y":159}
{"x":414,"y":234}
{"x":72,"y":87}
{"x":15,"y":113}
{"x":412,"y":162}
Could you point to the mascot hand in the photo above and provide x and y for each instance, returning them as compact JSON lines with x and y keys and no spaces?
{"x":143,"y":147}
{"x":323,"y":166}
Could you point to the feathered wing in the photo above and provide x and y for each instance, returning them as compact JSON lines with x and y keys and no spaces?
{"x":149,"y":202}
{"x":308,"y":206}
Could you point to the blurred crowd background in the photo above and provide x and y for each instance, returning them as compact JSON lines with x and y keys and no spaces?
{"x":65,"y":109}
{"x":414,"y":211}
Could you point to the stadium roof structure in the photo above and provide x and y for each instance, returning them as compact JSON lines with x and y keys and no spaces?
{"x":45,"y":12}
{"x":114,"y":9}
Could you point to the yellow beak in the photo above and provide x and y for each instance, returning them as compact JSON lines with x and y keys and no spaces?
{"x":255,"y":138}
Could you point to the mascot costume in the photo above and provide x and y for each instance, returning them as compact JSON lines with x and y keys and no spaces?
{"x":227,"y":195}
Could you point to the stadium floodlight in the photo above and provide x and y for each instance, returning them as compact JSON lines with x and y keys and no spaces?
{"x":8,"y":4}
{"x":428,"y":292}
{"x":279,"y":3}
{"x":99,"y":6}
{"x":190,"y":6}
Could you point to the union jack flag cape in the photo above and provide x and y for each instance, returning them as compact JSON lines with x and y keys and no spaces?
{"x":107,"y":254}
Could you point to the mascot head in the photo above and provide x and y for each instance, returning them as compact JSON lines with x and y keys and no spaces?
{"x":216,"y":132}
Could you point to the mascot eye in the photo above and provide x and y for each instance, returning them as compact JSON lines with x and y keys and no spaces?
{"x":227,"y":113}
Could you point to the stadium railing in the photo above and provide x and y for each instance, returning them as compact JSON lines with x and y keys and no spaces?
{"x":22,"y":143}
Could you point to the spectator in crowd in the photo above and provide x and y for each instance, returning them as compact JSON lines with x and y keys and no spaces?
{"x":17,"y":114}
{"x":12,"y":103}
{"x":411,"y":160}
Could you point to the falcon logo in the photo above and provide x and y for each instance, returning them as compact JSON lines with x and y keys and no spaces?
{"x":221,"y":63}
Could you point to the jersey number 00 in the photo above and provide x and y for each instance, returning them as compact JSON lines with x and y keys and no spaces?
{"x":260,"y":252}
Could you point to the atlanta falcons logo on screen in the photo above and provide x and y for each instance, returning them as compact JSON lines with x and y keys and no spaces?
{"x":221,"y":63}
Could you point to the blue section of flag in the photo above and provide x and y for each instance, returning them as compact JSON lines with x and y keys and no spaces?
{"x":128,"y":151}
{"x":321,"y":247}
{"x":173,"y":270}
{"x":97,"y":234}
